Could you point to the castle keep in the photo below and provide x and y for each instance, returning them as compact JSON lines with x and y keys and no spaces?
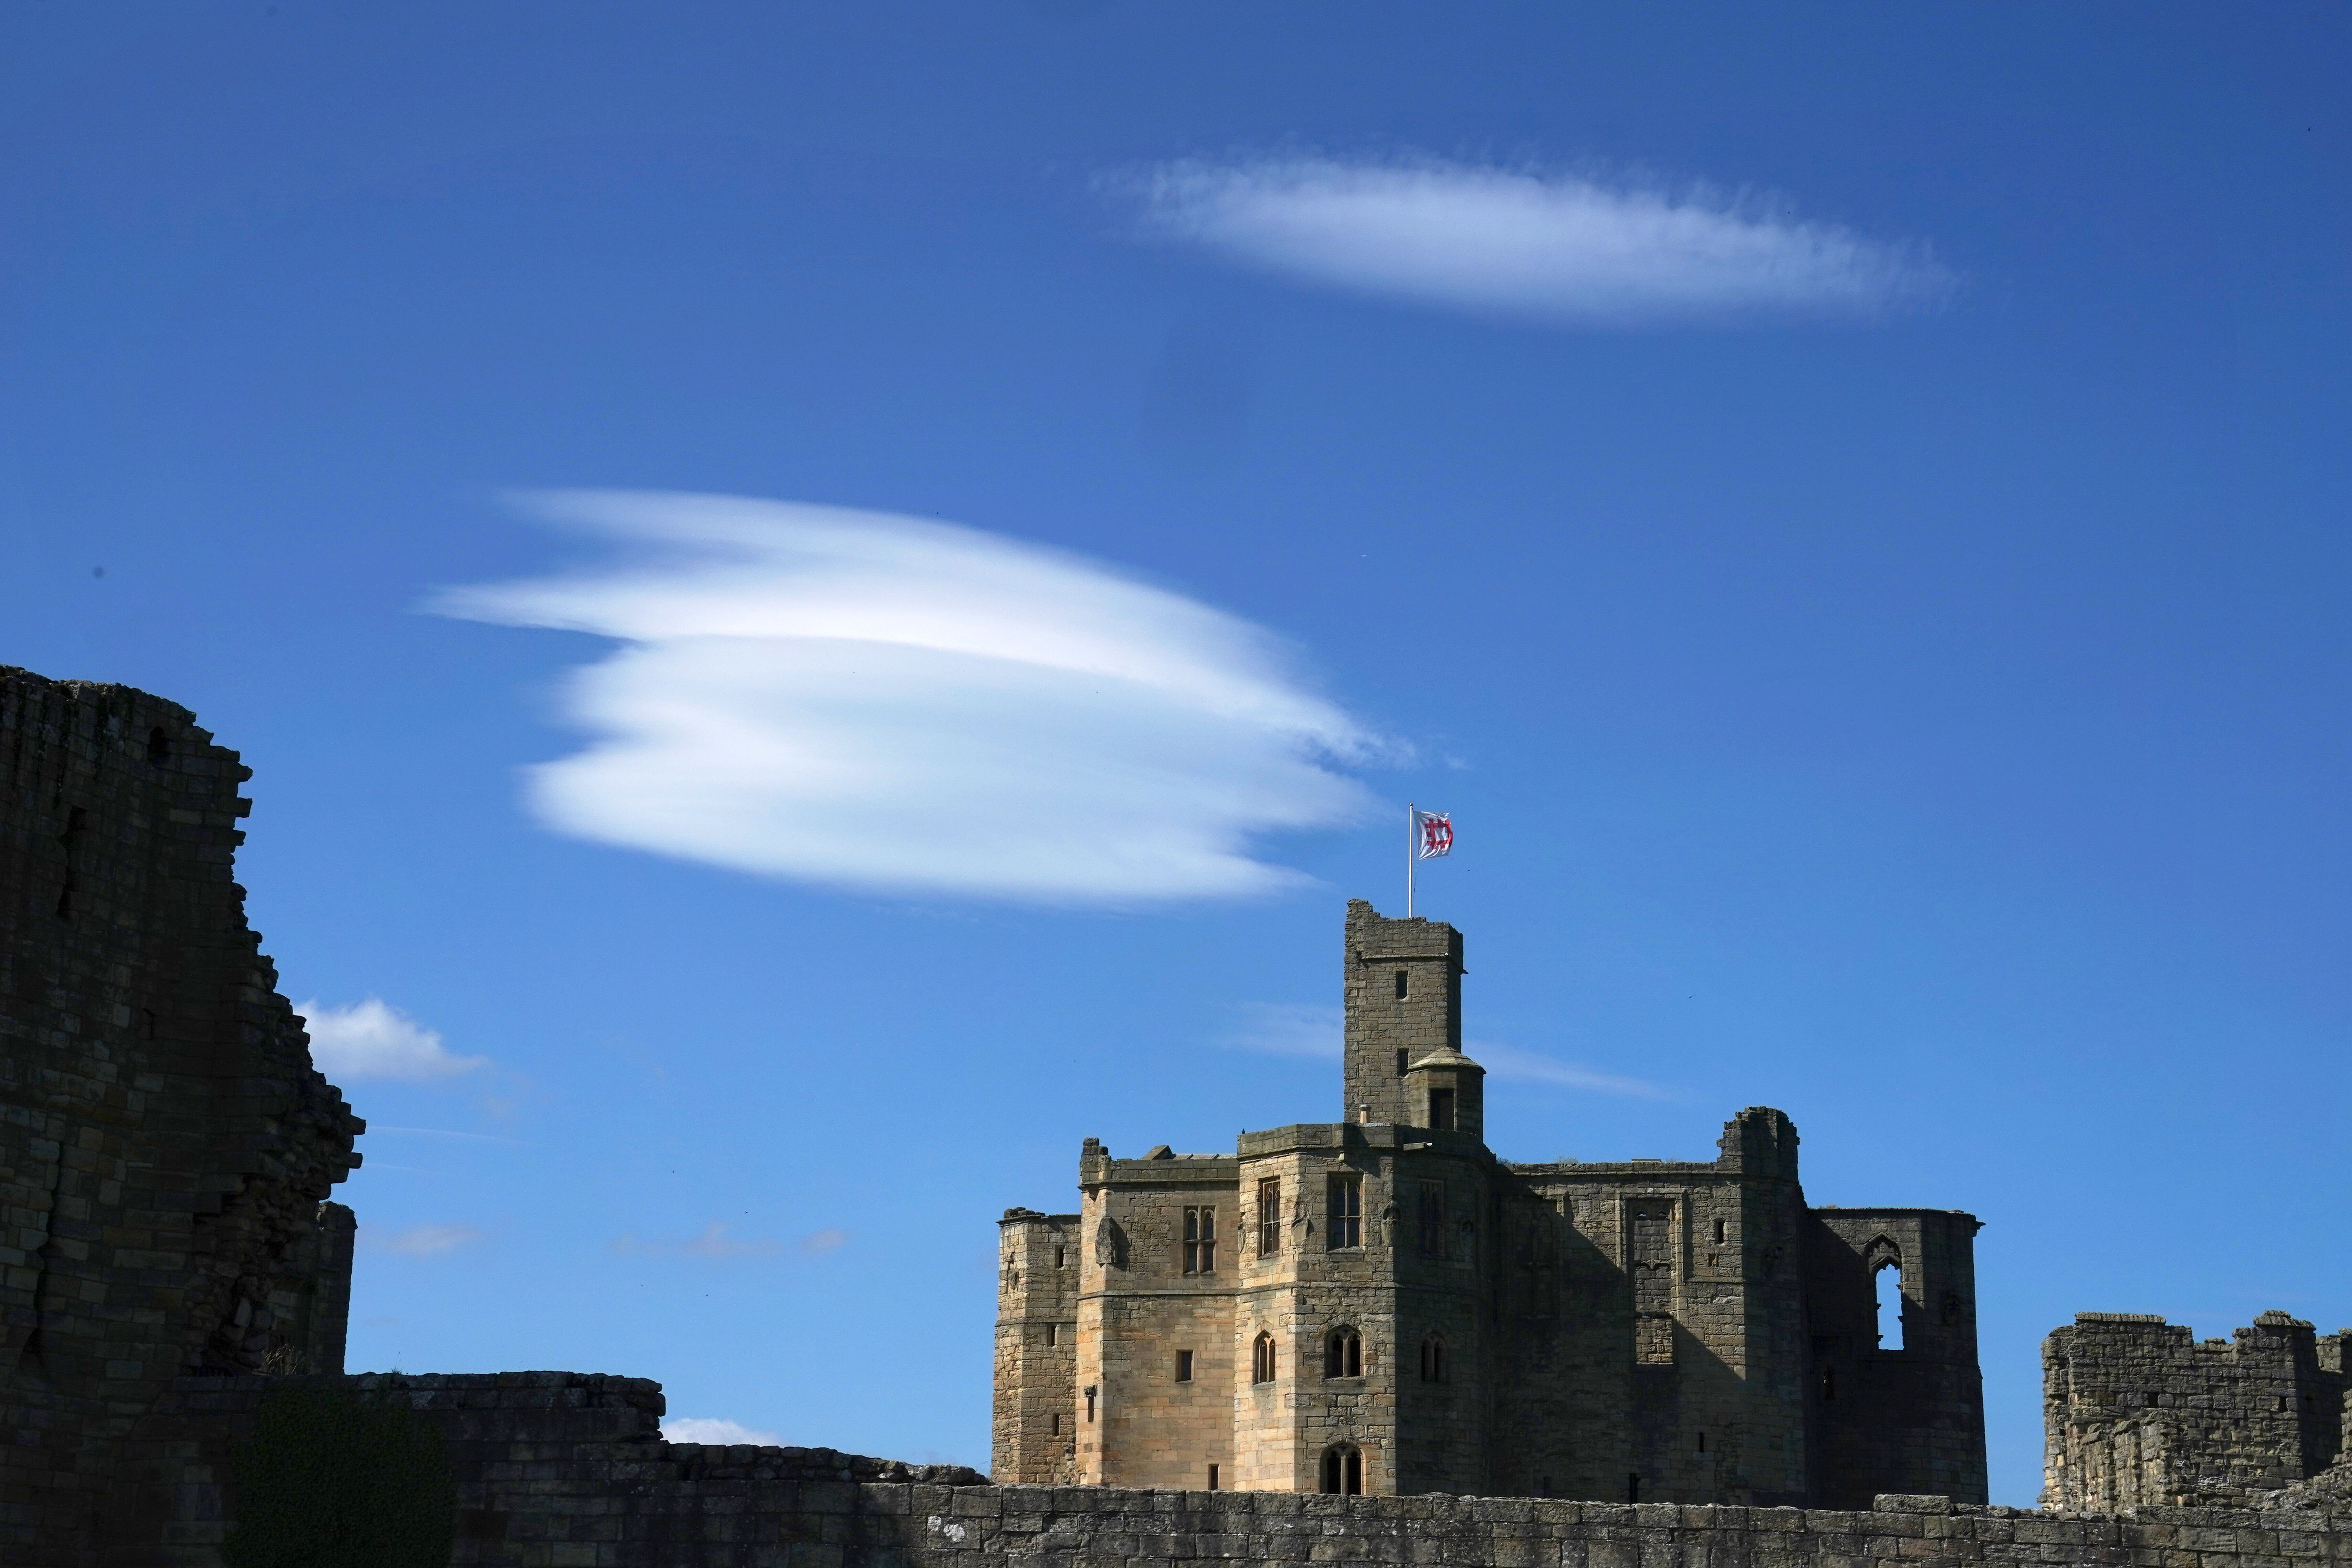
{"x":1379,"y":1304}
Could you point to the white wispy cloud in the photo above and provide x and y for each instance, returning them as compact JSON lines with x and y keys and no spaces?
{"x":1291,"y":1029}
{"x":374,"y":1039}
{"x":718,"y":1430}
{"x":1562,"y":247}
{"x":1511,"y":1063}
{"x":889,"y":703}
{"x":420,"y":1240}
{"x":1303,"y":1030}
{"x":715,"y":1243}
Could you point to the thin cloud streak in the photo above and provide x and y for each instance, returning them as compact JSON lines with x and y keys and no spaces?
{"x":892,"y":704}
{"x":1512,"y":1064}
{"x":1300,"y":1029}
{"x":1562,"y":249}
{"x":420,"y":1240}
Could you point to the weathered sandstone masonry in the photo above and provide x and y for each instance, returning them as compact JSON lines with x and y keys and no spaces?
{"x":166,"y":1144}
{"x":1380,"y":1305}
{"x":2137,"y":1411}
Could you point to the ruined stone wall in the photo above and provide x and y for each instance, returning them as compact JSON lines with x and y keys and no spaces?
{"x":2137,"y":1411}
{"x":1885,"y":1416}
{"x":563,"y":1468}
{"x":166,"y":1144}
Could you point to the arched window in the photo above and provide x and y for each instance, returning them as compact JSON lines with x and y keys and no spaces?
{"x":1343,"y":1354}
{"x":1887,"y":1285}
{"x":1262,"y":1365}
{"x":1343,"y":1470}
{"x":1433,"y":1358}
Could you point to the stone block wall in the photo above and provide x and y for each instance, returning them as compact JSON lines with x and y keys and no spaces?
{"x":1910,"y":1412}
{"x":1381,"y":1023}
{"x":2137,"y":1411}
{"x":166,"y":1143}
{"x":567,"y":1471}
{"x":1034,"y":1414}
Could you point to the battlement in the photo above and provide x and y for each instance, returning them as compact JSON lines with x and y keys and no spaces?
{"x":2139,"y":1411}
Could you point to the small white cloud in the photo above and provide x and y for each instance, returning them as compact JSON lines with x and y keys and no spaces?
{"x":1291,"y":1029}
{"x":817,"y":1243}
{"x":889,"y":703}
{"x":421,"y":1240}
{"x":717,"y":1430}
{"x":1559,"y":247}
{"x":374,"y":1039}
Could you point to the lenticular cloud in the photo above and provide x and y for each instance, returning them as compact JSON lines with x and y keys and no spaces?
{"x":889,"y":703}
{"x":1555,"y":246}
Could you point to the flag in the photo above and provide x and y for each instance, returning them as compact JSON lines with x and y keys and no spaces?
{"x":1437,"y":833}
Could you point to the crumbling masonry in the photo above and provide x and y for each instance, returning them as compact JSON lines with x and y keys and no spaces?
{"x":2138,"y":1412}
{"x":165,"y":1145}
{"x":1380,"y":1305}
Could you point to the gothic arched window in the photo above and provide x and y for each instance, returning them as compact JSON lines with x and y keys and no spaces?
{"x":1262,"y":1363}
{"x":1343,"y":1470}
{"x":1343,"y":1354}
{"x":1433,"y":1358}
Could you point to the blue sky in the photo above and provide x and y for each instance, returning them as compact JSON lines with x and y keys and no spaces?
{"x":1844,"y":507}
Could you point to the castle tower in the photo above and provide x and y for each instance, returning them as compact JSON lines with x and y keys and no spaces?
{"x":1401,"y":989}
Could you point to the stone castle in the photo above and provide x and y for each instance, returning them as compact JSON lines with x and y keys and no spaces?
{"x":1379,"y":1304}
{"x":1425,"y":1317}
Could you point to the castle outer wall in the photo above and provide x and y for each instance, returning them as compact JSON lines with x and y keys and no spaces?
{"x":2138,"y":1412}
{"x":561,"y":1468}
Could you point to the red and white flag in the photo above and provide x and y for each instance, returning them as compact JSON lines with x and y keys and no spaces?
{"x":1437,"y":833}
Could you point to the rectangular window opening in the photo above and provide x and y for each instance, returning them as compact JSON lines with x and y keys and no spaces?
{"x":1403,"y":984}
{"x":1200,"y":1241}
{"x":1404,"y":1061}
{"x":1057,"y":1424}
{"x":1183,"y":1366}
{"x":1441,"y":1110}
{"x":1430,"y":1217}
{"x":1269,"y":1218}
{"x":1212,"y":1477}
{"x":1347,"y":1213}
{"x":1061,"y":1255}
{"x":1053,"y":1333}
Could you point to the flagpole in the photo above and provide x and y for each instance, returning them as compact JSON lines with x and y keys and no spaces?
{"x":1409,"y":815}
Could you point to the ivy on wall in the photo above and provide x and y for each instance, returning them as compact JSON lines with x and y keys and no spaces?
{"x":334,"y":1481}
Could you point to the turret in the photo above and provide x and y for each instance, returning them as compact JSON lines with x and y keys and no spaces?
{"x":1446,"y":1092}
